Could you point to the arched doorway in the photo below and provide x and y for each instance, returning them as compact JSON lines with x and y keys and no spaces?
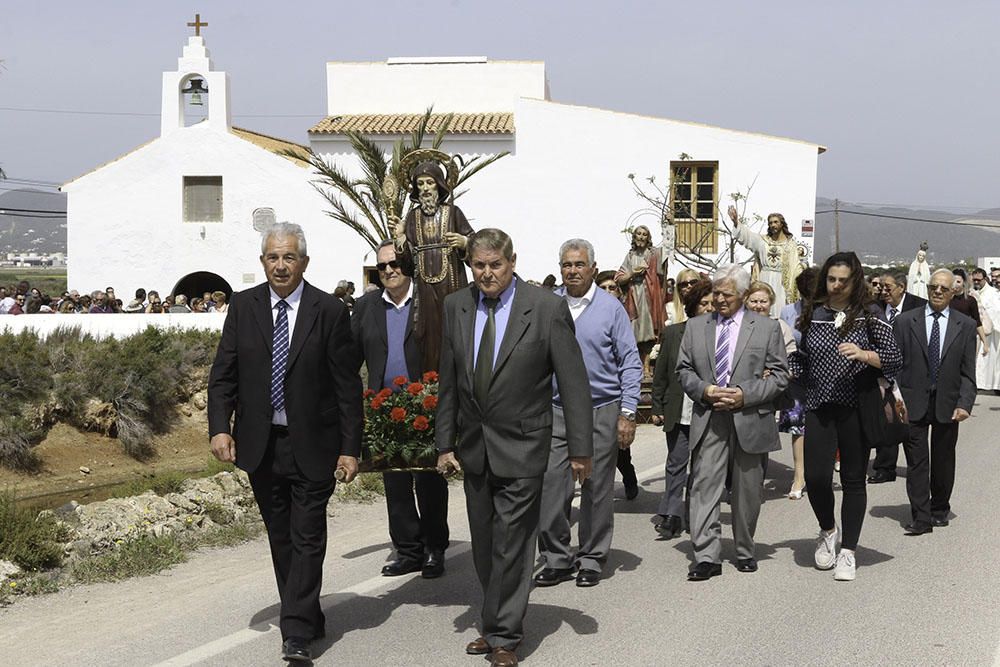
{"x":193,"y":285}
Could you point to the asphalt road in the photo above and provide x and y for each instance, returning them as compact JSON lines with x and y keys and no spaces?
{"x":928,"y":600}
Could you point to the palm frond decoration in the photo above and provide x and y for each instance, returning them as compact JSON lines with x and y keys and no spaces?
{"x":360,"y":203}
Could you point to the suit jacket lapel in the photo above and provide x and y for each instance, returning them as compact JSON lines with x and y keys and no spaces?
{"x":261,"y":309}
{"x":304,"y":320}
{"x":746,"y":330}
{"x":919,"y":331}
{"x":467,"y":329}
{"x":710,"y":342}
{"x":950,"y":335}
{"x":517,"y":324}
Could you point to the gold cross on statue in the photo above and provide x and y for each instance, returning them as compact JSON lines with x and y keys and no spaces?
{"x":197,"y":25}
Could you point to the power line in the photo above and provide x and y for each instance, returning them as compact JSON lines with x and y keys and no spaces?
{"x":33,"y":192}
{"x":78,"y":112}
{"x":29,"y":181}
{"x":995,"y":225}
{"x":30,"y":210}
{"x":32,"y":215}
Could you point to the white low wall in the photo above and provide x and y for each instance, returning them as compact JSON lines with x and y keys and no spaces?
{"x":102,"y":326}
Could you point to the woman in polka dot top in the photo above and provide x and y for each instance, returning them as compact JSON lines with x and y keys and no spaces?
{"x":843,"y":334}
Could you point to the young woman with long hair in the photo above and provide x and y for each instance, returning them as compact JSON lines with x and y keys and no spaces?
{"x":843,"y":335}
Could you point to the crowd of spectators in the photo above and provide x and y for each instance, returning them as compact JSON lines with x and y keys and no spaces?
{"x":23,"y":299}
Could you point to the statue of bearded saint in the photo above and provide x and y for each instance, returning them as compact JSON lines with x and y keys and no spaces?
{"x":777,"y":260}
{"x":641,"y":278}
{"x":431,"y":244}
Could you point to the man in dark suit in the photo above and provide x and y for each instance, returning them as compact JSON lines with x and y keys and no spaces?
{"x":897,"y":301}
{"x":285,"y":366}
{"x":382,"y":327}
{"x":503,"y":340}
{"x":938,"y":383}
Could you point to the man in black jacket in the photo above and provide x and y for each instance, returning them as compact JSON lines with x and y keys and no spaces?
{"x":285,"y":368}
{"x":938,"y":383}
{"x":382,"y":326}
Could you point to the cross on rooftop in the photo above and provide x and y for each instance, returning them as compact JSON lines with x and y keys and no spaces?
{"x":197,"y":25}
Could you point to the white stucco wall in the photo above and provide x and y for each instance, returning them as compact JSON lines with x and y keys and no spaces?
{"x":567,"y":177}
{"x":126,"y":229}
{"x":398,"y":87}
{"x":102,"y":326}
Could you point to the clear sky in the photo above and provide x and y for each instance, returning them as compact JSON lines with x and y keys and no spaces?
{"x":904,"y":94}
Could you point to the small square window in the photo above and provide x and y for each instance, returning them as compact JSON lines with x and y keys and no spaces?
{"x":203,"y":199}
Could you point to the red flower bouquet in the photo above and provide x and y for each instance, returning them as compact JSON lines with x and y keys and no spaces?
{"x":399,"y":425}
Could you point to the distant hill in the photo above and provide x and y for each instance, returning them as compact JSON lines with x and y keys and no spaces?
{"x":24,"y":233}
{"x":882,"y":240}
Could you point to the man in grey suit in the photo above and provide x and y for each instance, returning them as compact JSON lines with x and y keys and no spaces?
{"x":938,"y":383}
{"x":732,"y":364}
{"x":502,"y":342}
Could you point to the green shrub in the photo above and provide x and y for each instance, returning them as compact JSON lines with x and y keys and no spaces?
{"x":137,"y":557}
{"x":25,"y":374}
{"x":31,"y":540}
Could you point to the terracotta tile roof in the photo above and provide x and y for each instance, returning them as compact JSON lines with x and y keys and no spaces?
{"x":399,"y":123}
{"x":273,"y":144}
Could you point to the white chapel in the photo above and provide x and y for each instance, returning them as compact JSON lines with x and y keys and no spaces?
{"x":181,"y":214}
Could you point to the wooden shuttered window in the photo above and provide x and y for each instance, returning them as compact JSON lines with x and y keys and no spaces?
{"x":694,"y":199}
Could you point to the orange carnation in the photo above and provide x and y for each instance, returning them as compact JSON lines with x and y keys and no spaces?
{"x":369,"y":393}
{"x":399,"y":380}
{"x":377,"y":402}
{"x":430,"y":402}
{"x":421,"y":423}
{"x":430,"y":376}
{"x":415,"y":388}
{"x":384,"y":394}
{"x":397,"y":414}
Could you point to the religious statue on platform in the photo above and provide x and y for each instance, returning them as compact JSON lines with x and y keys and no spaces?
{"x":919,"y":274}
{"x":431,"y":243}
{"x":641,"y":279}
{"x":777,"y":260}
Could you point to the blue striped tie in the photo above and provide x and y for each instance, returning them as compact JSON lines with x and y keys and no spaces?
{"x":279,"y":357}
{"x":722,"y":355}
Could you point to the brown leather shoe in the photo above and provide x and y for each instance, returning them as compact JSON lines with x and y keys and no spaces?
{"x":501,"y":657}
{"x":478,"y":647}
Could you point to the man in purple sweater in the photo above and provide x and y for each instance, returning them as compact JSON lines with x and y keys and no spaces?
{"x":614,"y":371}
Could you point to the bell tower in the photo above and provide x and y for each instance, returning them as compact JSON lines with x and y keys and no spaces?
{"x":195,"y":81}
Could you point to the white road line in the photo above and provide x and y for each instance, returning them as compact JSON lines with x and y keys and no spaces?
{"x":270,"y":625}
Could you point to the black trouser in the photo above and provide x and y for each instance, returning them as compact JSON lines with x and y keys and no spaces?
{"x":929,"y":486}
{"x":294,"y":511}
{"x":886,"y":458}
{"x":416,"y":533}
{"x":626,"y":468}
{"x":829,"y":428}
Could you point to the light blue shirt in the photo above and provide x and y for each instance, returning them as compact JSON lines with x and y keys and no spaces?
{"x":942,"y":325}
{"x":734,"y":334}
{"x":500,"y":317}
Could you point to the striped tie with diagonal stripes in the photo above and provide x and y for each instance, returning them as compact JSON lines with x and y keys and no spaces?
{"x":279,"y":357}
{"x":722,"y":355}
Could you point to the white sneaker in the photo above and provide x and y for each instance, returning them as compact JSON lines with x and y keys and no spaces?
{"x":826,"y":548}
{"x":845,"y":566}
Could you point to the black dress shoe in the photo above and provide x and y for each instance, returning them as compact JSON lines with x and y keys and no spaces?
{"x":550,"y":576}
{"x":704,"y":571}
{"x":746,"y":564}
{"x":879,"y":477}
{"x":433,"y":565}
{"x":296,"y":649}
{"x":939,"y":522}
{"x":670,"y":527}
{"x":588,"y":578}
{"x":400,"y":566}
{"x":918,"y":528}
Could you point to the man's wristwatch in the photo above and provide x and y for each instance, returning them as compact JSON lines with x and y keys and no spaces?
{"x":628,"y":414}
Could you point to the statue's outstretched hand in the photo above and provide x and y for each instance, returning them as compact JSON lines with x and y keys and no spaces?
{"x":733,"y":215}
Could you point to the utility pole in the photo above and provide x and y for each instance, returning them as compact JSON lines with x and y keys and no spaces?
{"x":836,"y":225}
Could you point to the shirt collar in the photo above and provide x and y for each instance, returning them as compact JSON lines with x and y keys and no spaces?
{"x":928,"y":311}
{"x":737,"y":317}
{"x":388,"y":299}
{"x":505,"y":296}
{"x":292,"y":299}
{"x":585,"y":299}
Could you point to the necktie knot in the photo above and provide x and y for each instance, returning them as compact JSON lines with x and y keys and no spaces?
{"x":491,"y":303}
{"x":936,"y":315}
